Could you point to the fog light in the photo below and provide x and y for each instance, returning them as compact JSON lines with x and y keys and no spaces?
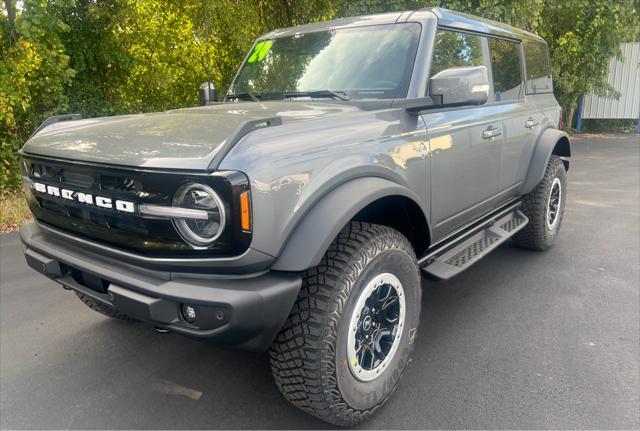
{"x":188,"y":313}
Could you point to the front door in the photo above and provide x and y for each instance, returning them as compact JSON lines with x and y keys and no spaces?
{"x":465,"y":143}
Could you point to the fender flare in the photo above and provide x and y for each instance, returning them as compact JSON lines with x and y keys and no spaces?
{"x":321,"y":224}
{"x":541,"y":155}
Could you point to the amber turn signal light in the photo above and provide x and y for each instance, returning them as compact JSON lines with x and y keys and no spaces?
{"x":245,"y":212}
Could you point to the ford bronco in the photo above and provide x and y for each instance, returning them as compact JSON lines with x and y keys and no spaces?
{"x":347,"y":159}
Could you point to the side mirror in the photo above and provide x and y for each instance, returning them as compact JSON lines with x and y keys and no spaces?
{"x":208,"y":93}
{"x":461,"y":85}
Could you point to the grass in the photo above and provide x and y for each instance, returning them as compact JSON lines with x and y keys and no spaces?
{"x":13,"y":210}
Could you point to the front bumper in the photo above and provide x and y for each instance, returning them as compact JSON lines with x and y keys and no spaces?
{"x":241,"y":312}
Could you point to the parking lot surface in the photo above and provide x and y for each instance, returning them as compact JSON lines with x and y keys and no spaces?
{"x":520,"y":340}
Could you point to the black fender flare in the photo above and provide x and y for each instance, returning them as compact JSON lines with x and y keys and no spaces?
{"x":541,"y":154}
{"x":316,"y":230}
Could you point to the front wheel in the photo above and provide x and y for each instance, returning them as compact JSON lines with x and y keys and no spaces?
{"x":545,"y":208}
{"x":351,"y":332}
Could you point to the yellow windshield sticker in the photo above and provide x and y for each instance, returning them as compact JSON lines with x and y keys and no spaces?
{"x":260,"y":51}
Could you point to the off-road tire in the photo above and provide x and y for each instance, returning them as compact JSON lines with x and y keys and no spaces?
{"x":537,"y":235}
{"x":309,"y":359}
{"x":103,"y":309}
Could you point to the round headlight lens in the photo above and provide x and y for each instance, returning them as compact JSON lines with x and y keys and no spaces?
{"x":200,"y":232}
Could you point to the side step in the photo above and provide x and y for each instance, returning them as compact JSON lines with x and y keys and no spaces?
{"x":455,"y":257}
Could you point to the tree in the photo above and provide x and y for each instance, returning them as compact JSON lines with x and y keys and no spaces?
{"x":233,"y":26}
{"x":583,"y":36}
{"x":34,"y":71}
{"x":104,"y":57}
{"x":101,"y":62}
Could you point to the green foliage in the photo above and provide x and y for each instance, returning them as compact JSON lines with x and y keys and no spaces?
{"x":582,"y":37}
{"x":134,"y":56}
{"x":34,"y":72}
{"x":453,"y":49}
{"x":101,"y":62}
{"x":505,"y":66}
{"x":234,"y":25}
{"x":105,"y":57}
{"x":611,"y":125}
{"x":167,"y":58}
{"x":364,"y":7}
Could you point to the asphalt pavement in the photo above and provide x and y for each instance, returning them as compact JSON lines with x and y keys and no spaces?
{"x":520,"y":340}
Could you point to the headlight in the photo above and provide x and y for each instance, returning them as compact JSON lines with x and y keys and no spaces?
{"x":200,"y":232}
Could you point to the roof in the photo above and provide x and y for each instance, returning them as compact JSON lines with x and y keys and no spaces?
{"x":463,"y":21}
{"x":356,"y":21}
{"x":446,"y":18}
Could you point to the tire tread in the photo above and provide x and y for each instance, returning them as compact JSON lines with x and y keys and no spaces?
{"x":302,"y":369}
{"x":534,"y":236}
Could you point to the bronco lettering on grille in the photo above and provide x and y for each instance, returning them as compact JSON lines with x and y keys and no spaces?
{"x":85,"y":198}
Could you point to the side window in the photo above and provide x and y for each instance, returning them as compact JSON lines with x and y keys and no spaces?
{"x":506,"y":69}
{"x":453,"y":49}
{"x":536,"y":57}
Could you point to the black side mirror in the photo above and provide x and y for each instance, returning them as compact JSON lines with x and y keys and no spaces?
{"x":208,"y":93}
{"x":461,"y":85}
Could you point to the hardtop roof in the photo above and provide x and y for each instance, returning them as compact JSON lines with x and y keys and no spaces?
{"x":463,"y":21}
{"x":446,"y":18}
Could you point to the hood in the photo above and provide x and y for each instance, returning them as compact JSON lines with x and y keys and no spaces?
{"x":180,"y":139}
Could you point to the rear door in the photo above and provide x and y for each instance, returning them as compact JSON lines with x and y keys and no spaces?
{"x":520,"y":119}
{"x":465,"y":142}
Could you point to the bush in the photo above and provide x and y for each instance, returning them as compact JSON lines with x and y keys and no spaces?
{"x":34,"y":72}
{"x":612,"y":125}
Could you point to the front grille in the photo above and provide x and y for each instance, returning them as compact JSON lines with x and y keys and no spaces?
{"x":131,"y":232}
{"x":94,"y":178}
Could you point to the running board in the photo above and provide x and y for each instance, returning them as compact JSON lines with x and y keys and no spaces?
{"x":455,"y":257}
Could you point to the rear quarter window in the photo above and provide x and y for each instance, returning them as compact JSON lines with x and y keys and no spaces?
{"x":536,"y":57}
{"x":506,"y":69}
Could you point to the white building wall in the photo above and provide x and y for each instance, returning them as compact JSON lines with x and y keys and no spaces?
{"x":624,"y":77}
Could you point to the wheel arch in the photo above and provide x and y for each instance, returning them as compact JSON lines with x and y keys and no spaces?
{"x":368,"y":199}
{"x":562,"y":148}
{"x":551,"y":142}
{"x":402,"y":214}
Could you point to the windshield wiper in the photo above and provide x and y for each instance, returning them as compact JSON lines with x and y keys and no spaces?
{"x":252,"y":96}
{"x":342,"y":95}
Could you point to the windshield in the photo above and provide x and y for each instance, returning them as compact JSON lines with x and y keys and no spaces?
{"x":360,"y":63}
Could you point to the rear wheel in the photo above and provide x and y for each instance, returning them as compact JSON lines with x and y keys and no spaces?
{"x":545,"y":208}
{"x":103,"y":309}
{"x":351,"y":331}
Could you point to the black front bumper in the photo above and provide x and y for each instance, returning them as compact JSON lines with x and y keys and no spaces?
{"x":241,"y":312}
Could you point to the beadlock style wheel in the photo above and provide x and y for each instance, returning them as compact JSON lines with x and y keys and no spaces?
{"x":544,"y":207}
{"x":376,"y":327}
{"x":553,"y":204}
{"x":350,"y":334}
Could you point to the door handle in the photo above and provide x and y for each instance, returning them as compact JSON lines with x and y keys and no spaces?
{"x":422,"y":150}
{"x":491,"y":132}
{"x":531,"y":123}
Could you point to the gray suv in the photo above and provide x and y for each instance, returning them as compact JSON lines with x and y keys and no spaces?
{"x":347,"y":159}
